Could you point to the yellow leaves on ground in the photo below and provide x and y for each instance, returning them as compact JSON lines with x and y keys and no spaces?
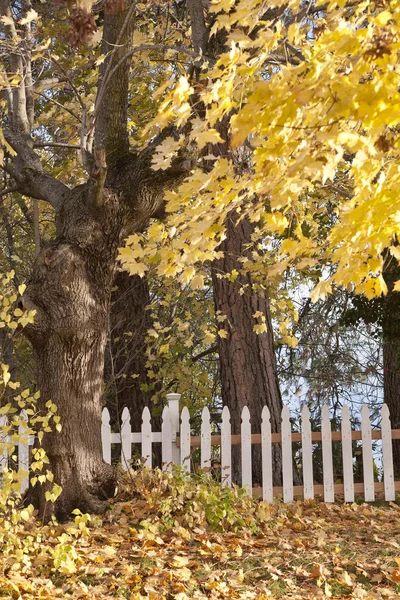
{"x":145,"y":548}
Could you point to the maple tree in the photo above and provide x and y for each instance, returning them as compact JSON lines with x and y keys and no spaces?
{"x":308,"y":94}
{"x":70,"y":286}
{"x":294,"y":123}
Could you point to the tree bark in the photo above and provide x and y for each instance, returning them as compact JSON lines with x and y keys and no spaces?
{"x":70,"y":290}
{"x":391,"y":354}
{"x":247,"y":361}
{"x":125,"y":368}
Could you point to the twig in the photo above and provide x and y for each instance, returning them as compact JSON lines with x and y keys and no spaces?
{"x":55,"y":145}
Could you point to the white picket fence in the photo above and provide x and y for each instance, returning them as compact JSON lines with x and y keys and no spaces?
{"x":177,"y":443}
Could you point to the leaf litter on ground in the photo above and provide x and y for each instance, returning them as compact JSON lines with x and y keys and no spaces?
{"x":167,"y":536}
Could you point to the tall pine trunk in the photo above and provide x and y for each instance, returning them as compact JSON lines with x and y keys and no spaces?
{"x":391,"y":354}
{"x":247,"y":360}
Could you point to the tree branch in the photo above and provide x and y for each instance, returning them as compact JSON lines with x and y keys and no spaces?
{"x":109,"y":122}
{"x":27,"y":172}
{"x":200,"y":32}
{"x":56,"y":145}
{"x":18,"y":109}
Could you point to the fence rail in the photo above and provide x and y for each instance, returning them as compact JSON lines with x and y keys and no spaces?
{"x":177,"y":444}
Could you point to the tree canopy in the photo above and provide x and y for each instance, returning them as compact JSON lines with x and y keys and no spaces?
{"x":311,"y":95}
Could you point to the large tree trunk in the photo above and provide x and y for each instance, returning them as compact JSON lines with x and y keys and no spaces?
{"x":70,"y":290}
{"x":125,"y":368}
{"x":247,"y":361}
{"x":125,"y":373}
{"x":391,"y":355}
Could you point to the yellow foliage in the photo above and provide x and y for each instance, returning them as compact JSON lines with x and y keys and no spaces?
{"x":321,"y":130}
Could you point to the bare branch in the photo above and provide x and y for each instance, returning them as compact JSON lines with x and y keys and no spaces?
{"x":9,"y":190}
{"x":18,"y":115}
{"x":54,"y":101}
{"x":27,"y":172}
{"x":56,"y":145}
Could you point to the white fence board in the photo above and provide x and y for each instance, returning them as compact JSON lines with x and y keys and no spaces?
{"x":226,"y":448}
{"x":205,"y":447}
{"x":146,"y":450}
{"x":23,"y":449}
{"x":4,"y":440}
{"x":185,"y":439}
{"x":387,"y":455}
{"x":368,"y":470}
{"x":327,"y":461}
{"x":106,"y":435}
{"x":126,"y":439}
{"x":171,"y":449}
{"x":347,"y":456}
{"x":166,"y":434}
{"x":173,"y":405}
{"x":266,"y":455}
{"x":247,"y":480}
{"x":306,"y":449}
{"x":287,"y":456}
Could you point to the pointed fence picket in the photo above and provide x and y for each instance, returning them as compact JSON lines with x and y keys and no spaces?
{"x":347,"y":456}
{"x":368,"y":469}
{"x":185,"y":439}
{"x":126,"y":442}
{"x":306,"y":449}
{"x":387,"y":455}
{"x":4,"y":441}
{"x":205,"y":447}
{"x":327,"y":459}
{"x":247,"y":479}
{"x":177,"y":443}
{"x":146,"y":438}
{"x":266,"y":456}
{"x":166,"y":444}
{"x":23,"y":450}
{"x":287,"y":457}
{"x":226,"y":448}
{"x":106,"y":435}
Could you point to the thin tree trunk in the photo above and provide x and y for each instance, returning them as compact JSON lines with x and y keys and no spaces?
{"x":247,"y":361}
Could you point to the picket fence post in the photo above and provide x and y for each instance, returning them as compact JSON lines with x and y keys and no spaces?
{"x":306,"y":450}
{"x":23,"y":450}
{"x":166,"y":440}
{"x":126,"y":441}
{"x":327,"y":459}
{"x":146,"y":441}
{"x":266,"y":455}
{"x":226,"y":448}
{"x":172,"y":422}
{"x":205,"y":448}
{"x":347,"y":456}
{"x":185,"y":439}
{"x":387,"y":455}
{"x":173,"y":405}
{"x":106,"y":435}
{"x":287,"y":456}
{"x":4,"y":440}
{"x":368,"y":472}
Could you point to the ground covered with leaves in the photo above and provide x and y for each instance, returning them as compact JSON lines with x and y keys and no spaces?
{"x":165,"y":538}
